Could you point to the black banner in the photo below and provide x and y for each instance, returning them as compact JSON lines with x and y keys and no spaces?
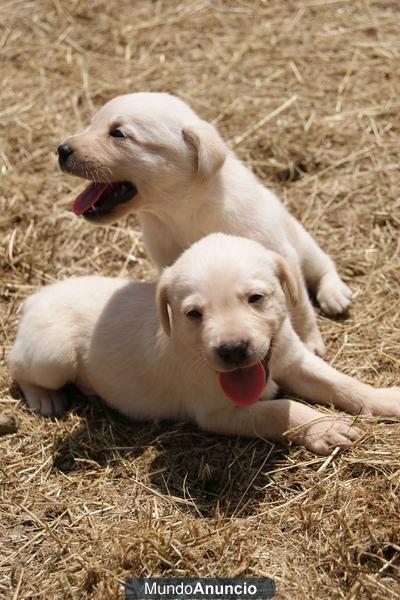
{"x":186,"y":589}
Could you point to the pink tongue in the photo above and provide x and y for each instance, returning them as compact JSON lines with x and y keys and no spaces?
{"x":88,"y":198}
{"x":244,"y":386}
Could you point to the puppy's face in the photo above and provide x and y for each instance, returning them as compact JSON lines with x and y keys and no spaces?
{"x":139,"y":150}
{"x":226,"y":301}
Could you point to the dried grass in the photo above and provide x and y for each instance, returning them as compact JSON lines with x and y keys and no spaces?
{"x":308,"y":94}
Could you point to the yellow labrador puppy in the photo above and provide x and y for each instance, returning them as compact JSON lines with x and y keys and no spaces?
{"x":210,"y":343}
{"x":150,"y":153}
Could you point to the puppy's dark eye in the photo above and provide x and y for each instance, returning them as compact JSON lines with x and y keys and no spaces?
{"x":194,"y":314}
{"x":116,"y":133}
{"x":254,"y":298}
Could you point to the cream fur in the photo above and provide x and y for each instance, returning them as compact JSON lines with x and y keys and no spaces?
{"x":189,"y":185}
{"x":104,"y":335}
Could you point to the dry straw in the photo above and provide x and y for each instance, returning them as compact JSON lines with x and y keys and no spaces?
{"x":308,"y":94}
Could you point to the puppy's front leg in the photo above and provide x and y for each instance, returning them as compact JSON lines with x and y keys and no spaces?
{"x":305,"y":321}
{"x":297,"y":369}
{"x":302,"y":312}
{"x":273,"y":419}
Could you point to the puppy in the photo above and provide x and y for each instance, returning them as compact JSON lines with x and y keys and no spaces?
{"x":206,"y":344}
{"x":150,"y":153}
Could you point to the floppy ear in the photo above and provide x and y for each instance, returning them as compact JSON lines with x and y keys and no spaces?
{"x":162,"y":303}
{"x":287,"y":279}
{"x":209,"y":147}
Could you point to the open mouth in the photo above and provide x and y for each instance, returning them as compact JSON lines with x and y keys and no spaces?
{"x":100,"y":199}
{"x":244,"y":386}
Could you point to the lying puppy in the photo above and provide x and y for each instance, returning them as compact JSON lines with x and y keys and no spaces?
{"x":224,"y":341}
{"x":151,"y":154}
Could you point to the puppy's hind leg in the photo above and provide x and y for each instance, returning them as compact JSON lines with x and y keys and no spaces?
{"x":42,"y":369}
{"x":49,"y":403}
{"x":303,"y":373}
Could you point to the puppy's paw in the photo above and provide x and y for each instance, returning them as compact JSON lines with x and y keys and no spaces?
{"x":333,"y":295}
{"x":315,"y":343}
{"x":48,"y":403}
{"x":384,"y":402}
{"x":326,"y":433}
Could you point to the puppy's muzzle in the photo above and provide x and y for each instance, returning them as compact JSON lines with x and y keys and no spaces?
{"x":64,"y":152}
{"x":101,"y":199}
{"x":234,"y":353}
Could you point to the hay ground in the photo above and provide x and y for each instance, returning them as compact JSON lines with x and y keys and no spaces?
{"x":91,"y":499}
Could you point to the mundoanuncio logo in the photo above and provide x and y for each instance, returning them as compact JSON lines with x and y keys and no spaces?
{"x":171,"y":589}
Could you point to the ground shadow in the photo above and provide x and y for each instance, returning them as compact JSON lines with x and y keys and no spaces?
{"x":212,"y":474}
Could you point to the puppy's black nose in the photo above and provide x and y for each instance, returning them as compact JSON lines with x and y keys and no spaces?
{"x":64,"y":150}
{"x":233,"y":353}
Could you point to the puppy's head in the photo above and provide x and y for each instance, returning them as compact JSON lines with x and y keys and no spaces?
{"x":139,"y":150}
{"x":224,"y":300}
